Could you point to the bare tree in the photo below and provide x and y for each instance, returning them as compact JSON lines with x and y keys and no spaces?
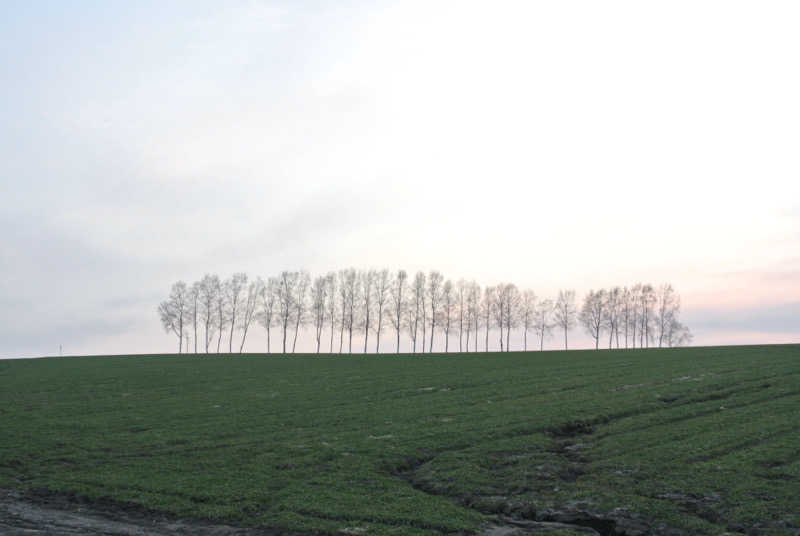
{"x":342,"y":278}
{"x":366,"y":280}
{"x":510,"y":303}
{"x":319,"y":295}
{"x":398,"y":303}
{"x":668,"y":305}
{"x":625,"y":312}
{"x":300,"y":303}
{"x":330,"y":281}
{"x":233,"y":290}
{"x":250,"y":307}
{"x":499,"y":310}
{"x":612,"y":314}
{"x":287,"y":283}
{"x":469,"y":319}
{"x":461,"y":298}
{"x":221,"y":318}
{"x":543,"y":323}
{"x":487,"y":308}
{"x":473,"y":312}
{"x":194,"y":309}
{"x":634,"y":298}
{"x":351,"y":290}
{"x":434,"y":295}
{"x":527,"y":312}
{"x":175,"y":310}
{"x":417,"y":308}
{"x":677,"y":334}
{"x":268,"y":297}
{"x":448,"y":306}
{"x":383,"y":282}
{"x":209,"y":289}
{"x":647,"y":299}
{"x":593,"y":313}
{"x":565,"y":312}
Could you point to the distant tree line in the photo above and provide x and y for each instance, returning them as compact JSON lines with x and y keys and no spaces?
{"x":211,"y":311}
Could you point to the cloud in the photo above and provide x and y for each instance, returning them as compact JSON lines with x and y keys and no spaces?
{"x":146,"y":144}
{"x":56,"y":288}
{"x":768,"y":318}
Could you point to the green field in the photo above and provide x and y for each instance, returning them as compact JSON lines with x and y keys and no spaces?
{"x":679,"y":441}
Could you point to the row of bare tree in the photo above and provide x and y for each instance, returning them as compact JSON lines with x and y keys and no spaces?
{"x":642,"y":312}
{"x":368,"y":302}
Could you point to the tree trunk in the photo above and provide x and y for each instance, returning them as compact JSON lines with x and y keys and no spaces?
{"x":500,"y":325}
{"x":398,"y":335}
{"x":230,"y":340}
{"x":366,"y":330}
{"x":433,"y":326}
{"x":643,"y":333}
{"x":625,"y":338}
{"x":378,"y":334}
{"x":244,"y":336}
{"x":501,"y":336}
{"x":219,"y":338}
{"x":414,"y":338}
{"x":424,"y":334}
{"x":460,"y":328}
{"x":296,"y":329}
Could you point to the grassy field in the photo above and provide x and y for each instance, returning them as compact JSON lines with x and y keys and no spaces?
{"x":684,"y":441}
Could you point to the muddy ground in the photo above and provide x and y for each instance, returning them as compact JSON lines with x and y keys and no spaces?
{"x":46,"y":513}
{"x":57,"y":515}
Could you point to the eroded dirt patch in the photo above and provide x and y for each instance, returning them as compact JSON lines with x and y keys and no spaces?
{"x":47,"y":513}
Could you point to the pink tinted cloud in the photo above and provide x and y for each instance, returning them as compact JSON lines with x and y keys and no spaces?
{"x":725,"y":338}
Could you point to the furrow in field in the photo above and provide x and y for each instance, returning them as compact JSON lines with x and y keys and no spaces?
{"x":718,"y":453}
{"x":398,"y":522}
{"x":687,"y":436}
{"x":670,"y":421}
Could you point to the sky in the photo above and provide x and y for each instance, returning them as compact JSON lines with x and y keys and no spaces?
{"x":556,"y":145}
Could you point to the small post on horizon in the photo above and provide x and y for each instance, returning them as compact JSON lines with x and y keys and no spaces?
{"x":59,"y":351}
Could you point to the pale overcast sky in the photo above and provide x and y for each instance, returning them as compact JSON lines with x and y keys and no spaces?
{"x":551,"y":144}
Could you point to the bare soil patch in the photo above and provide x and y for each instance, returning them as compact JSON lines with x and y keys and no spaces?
{"x":42,"y":512}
